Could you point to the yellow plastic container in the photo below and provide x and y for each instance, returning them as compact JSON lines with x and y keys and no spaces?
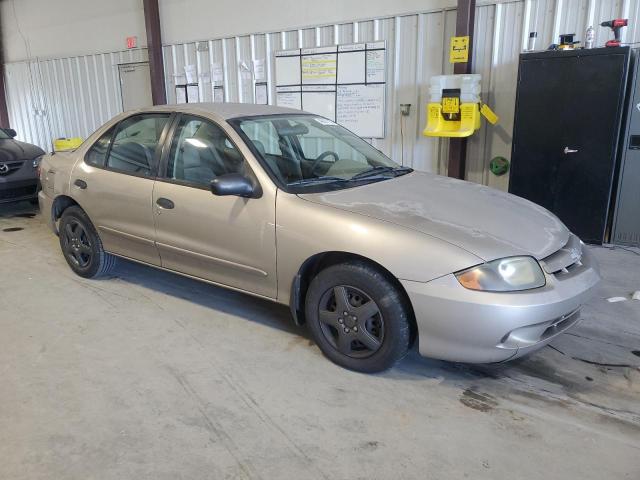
{"x":64,"y":144}
{"x":438,"y":126}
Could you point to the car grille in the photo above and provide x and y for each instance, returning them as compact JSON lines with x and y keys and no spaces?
{"x":565,"y":260}
{"x":561,"y":324}
{"x":9,"y":193}
{"x":7,"y":168}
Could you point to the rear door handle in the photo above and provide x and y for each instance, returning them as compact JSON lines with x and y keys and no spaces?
{"x":81,"y":184}
{"x":165,"y":203}
{"x":568,"y":150}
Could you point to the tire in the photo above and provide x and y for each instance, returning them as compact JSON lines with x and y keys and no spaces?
{"x":81,"y":245}
{"x":375,"y":333}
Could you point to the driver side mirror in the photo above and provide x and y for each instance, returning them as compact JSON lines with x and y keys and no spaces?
{"x":10,"y":131}
{"x":234,"y":184}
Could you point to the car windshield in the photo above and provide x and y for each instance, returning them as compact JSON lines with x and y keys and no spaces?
{"x":4,"y":135}
{"x":311,"y":152}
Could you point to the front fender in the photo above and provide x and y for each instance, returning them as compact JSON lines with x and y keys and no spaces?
{"x":305,"y":229}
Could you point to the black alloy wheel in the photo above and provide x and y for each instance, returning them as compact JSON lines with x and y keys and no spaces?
{"x":358,"y":316}
{"x":351,"y":321}
{"x":81,"y":245}
{"x":76,"y":244}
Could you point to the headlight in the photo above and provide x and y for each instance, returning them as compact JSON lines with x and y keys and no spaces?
{"x":504,"y":275}
{"x":36,"y":161}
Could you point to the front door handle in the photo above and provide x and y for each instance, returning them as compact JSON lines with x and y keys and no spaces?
{"x":81,"y":184}
{"x":568,"y":150}
{"x":165,"y":203}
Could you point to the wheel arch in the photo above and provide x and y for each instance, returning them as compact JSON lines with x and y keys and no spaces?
{"x":318,"y":262}
{"x":59,"y":205}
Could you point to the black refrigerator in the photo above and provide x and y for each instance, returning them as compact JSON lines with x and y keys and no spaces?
{"x":567,"y":130}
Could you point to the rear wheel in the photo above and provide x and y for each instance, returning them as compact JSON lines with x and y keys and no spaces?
{"x":81,"y":245}
{"x":358,"y":317}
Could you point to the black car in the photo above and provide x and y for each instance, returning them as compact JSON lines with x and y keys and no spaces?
{"x":19,"y":164}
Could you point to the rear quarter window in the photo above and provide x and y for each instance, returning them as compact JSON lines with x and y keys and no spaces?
{"x":97,"y":154}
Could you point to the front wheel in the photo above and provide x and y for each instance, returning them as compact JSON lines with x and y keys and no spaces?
{"x":358,"y":317}
{"x":81,"y":245}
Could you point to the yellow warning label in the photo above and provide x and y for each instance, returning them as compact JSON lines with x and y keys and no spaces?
{"x":468,"y":111}
{"x":489,"y":114}
{"x":434,"y":111}
{"x":450,"y":104}
{"x":459,"y":52}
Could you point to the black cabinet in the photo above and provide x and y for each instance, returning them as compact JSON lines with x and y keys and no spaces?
{"x":626,"y":223}
{"x":569,"y":109}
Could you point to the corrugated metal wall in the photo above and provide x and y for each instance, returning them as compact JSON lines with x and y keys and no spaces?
{"x":65,"y":97}
{"x":78,"y":94}
{"x":417,"y":49}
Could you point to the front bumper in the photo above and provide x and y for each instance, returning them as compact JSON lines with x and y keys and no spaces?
{"x":463,"y":325}
{"x":18,"y":191}
{"x":19,"y":184}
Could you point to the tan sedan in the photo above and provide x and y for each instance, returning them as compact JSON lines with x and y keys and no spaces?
{"x":291,"y":207}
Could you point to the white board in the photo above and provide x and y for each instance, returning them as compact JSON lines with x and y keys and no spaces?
{"x":320,"y":101}
{"x":344,"y":83}
{"x":375,"y":65}
{"x":319,"y":66}
{"x":289,"y":97}
{"x":360,"y":108}
{"x":351,"y":65}
{"x":288,"y":70}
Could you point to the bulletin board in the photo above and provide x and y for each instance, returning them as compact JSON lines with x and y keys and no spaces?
{"x":344,"y":83}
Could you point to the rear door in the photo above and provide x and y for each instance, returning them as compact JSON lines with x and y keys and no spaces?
{"x":114,"y":185}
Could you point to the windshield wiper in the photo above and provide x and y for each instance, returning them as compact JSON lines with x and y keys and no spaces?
{"x":372,"y":172}
{"x":317,"y":180}
{"x":380,"y":169}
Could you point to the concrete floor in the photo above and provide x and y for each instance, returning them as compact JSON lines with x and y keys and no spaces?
{"x":150,"y":375}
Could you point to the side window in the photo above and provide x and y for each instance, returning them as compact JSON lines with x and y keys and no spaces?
{"x":317,"y":141}
{"x":96,"y":155}
{"x":264,"y":137}
{"x":201,"y":151}
{"x":135,"y":143}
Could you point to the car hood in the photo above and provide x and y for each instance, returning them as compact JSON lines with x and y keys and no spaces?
{"x":11,"y":149}
{"x":486,"y":222}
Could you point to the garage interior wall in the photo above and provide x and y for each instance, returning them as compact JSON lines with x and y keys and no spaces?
{"x":72,"y":96}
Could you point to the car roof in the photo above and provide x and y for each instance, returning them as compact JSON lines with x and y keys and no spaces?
{"x":224,"y":110}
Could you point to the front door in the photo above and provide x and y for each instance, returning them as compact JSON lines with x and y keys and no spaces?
{"x":114,"y":185}
{"x":228,"y":240}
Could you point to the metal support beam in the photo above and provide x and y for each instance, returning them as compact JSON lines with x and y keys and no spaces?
{"x":465,"y":18}
{"x":154,"y":44}
{"x":4,"y":112}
